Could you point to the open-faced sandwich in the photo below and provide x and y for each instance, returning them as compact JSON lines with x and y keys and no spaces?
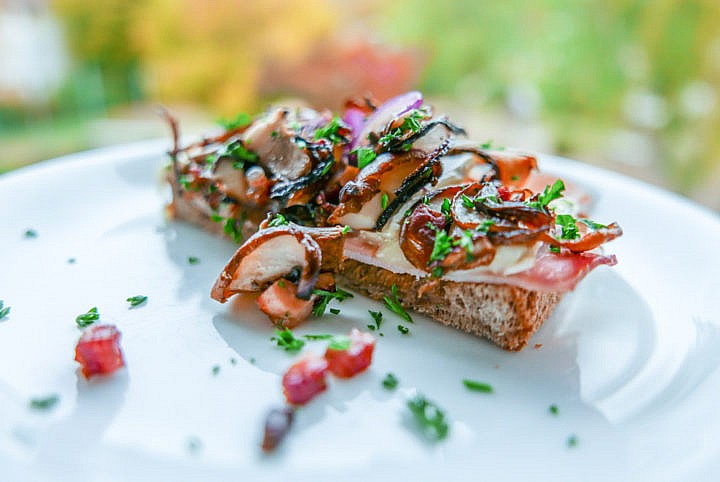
{"x":393,"y":202}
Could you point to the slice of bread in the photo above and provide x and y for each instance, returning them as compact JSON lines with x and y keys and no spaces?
{"x":506,"y":315}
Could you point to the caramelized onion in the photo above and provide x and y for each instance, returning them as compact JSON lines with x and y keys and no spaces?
{"x":417,"y":238}
{"x":588,"y":241}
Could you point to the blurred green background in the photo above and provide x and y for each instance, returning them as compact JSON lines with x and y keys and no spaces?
{"x":630,"y":85}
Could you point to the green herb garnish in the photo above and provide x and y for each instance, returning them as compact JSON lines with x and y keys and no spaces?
{"x":88,"y":318}
{"x":403,"y":329}
{"x":365,"y":156}
{"x":346,"y":229}
{"x":324,"y":336}
{"x":286,"y":340}
{"x":466,"y":242}
{"x":411,"y":124}
{"x":44,"y":403}
{"x":476,"y":386}
{"x":592,"y":224}
{"x":443,"y":245}
{"x":384,"y":200}
{"x":339,"y":343}
{"x":549,"y":194}
{"x":436,"y":272}
{"x":232,"y":229}
{"x":394,"y":305}
{"x":215,"y":370}
{"x":485,"y":226}
{"x":334,"y":311}
{"x":193,"y":260}
{"x":241,"y":120}
{"x":554,"y":249}
{"x":467,"y":201}
{"x":377,"y":317}
{"x":572,"y":441}
{"x":278,"y":220}
{"x":553,"y":409}
{"x":325,"y":297}
{"x":429,"y":417}
{"x":569,"y":228}
{"x":446,"y":208}
{"x":390,"y":381}
{"x":30,"y":233}
{"x":4,"y":310}
{"x":136,"y":300}
{"x":330,"y":131}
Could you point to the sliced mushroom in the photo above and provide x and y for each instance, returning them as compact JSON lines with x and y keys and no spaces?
{"x":267,"y":256}
{"x":233,"y":180}
{"x":274,"y":142}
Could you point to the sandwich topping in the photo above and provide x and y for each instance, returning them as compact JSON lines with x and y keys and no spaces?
{"x":389,"y":185}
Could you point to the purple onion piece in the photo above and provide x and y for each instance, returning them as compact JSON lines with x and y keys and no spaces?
{"x":277,"y":425}
{"x":355,"y":118}
{"x":389,"y":110}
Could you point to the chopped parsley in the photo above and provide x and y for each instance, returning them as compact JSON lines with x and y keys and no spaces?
{"x":569,"y":228}
{"x":429,"y":417}
{"x":30,"y":233}
{"x":241,"y":120}
{"x":287,"y":341}
{"x":240,"y":155}
{"x":44,"y":403}
{"x":572,"y":441}
{"x":443,"y":244}
{"x":215,"y":370}
{"x":403,"y":329}
{"x":193,"y":260}
{"x":394,"y":305}
{"x":446,"y":209}
{"x":411,"y":124}
{"x":232,"y":229}
{"x":485,"y":226}
{"x":549,"y":194}
{"x":326,"y":296}
{"x":324,"y":336}
{"x":467,"y":201}
{"x":436,"y":272}
{"x":346,"y":229}
{"x":334,"y":311}
{"x":554,"y":249}
{"x":487,"y":144}
{"x":330,"y":131}
{"x":377,"y":317}
{"x":4,"y":310}
{"x":278,"y":220}
{"x":553,"y":409}
{"x":87,"y":318}
{"x":466,"y":242}
{"x":592,"y":224}
{"x":514,"y":177}
{"x":339,"y":343}
{"x":365,"y":156}
{"x":390,"y":381}
{"x":384,"y":200}
{"x":476,"y":386}
{"x":136,"y":300}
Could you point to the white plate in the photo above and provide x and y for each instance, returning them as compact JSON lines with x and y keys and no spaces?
{"x":630,"y":359}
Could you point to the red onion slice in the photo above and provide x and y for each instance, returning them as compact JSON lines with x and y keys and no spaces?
{"x":389,"y":110}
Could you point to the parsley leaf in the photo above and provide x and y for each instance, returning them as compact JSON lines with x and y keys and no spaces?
{"x":241,"y":120}
{"x":330,"y":131}
{"x":569,"y":228}
{"x":377,"y":317}
{"x":443,"y":245}
{"x":429,"y":417}
{"x":326,"y":296}
{"x":339,"y":343}
{"x":476,"y":386}
{"x":215,"y":370}
{"x":467,"y":201}
{"x":232,"y":228}
{"x":485,"y":226}
{"x":286,"y":340}
{"x":4,"y":310}
{"x":554,"y":249}
{"x":572,"y":441}
{"x":44,"y":403}
{"x":553,"y":409}
{"x":549,"y":194}
{"x":592,"y":224}
{"x":365,"y":156}
{"x":394,"y":305}
{"x":403,"y":329}
{"x":390,"y":381}
{"x":88,"y":318}
{"x":30,"y":233}
{"x":137,"y":300}
{"x":384,"y":200}
{"x":324,"y":336}
{"x":466,"y":242}
{"x":411,"y":124}
{"x":446,"y":208}
{"x":278,"y":220}
{"x":193,"y":260}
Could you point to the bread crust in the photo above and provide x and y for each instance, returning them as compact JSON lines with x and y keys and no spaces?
{"x":506,"y":315}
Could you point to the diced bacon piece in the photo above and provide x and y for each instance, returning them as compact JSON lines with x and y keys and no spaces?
{"x":305,"y":379}
{"x":98,"y":351}
{"x":355,"y":358}
{"x":280,"y":302}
